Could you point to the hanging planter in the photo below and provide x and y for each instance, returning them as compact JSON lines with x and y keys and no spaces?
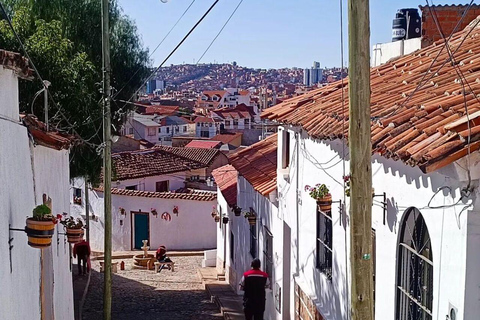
{"x":225,"y":220}
{"x":123,"y":212}
{"x":154,"y":212}
{"x":237,"y":210}
{"x":252,"y":219}
{"x":175,"y":210}
{"x":74,"y":229}
{"x":40,"y":227}
{"x":322,"y":195}
{"x":217,"y":218}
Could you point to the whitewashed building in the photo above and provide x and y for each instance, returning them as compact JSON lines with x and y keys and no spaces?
{"x":36,"y":283}
{"x":425,"y":168}
{"x":157,"y":196}
{"x":250,"y":183}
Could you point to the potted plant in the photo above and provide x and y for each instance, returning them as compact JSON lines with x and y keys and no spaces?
{"x":74,"y":229}
{"x":123,"y":212}
{"x":225,"y":219}
{"x":40,"y":227}
{"x":322,"y":195}
{"x":154,"y":212}
{"x":252,"y":219}
{"x":175,"y":210}
{"x":217,"y":218}
{"x":237,"y":210}
{"x":214,"y":212}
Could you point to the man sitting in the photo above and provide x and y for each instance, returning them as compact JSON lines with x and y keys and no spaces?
{"x":161,"y":256}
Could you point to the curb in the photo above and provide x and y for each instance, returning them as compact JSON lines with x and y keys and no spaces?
{"x":84,"y":297}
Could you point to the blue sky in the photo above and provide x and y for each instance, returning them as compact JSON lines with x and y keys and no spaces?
{"x":261,"y":34}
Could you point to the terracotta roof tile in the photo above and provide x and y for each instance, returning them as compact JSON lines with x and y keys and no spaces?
{"x":258,"y":164}
{"x":206,"y":144}
{"x":17,"y":63}
{"x":160,"y":160}
{"x":185,"y":194}
{"x":426,"y":129}
{"x":226,"y":137}
{"x":52,"y":138}
{"x":226,"y":180}
{"x":238,"y":112}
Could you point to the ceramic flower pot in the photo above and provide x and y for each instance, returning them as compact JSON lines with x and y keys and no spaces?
{"x":217,"y":218}
{"x":325,"y":203}
{"x":252,"y":220}
{"x":225,"y":220}
{"x":74,"y":235}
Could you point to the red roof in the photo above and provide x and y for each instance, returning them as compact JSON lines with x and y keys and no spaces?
{"x":203,"y":119}
{"x":17,"y":63}
{"x":422,"y":125}
{"x":226,"y":180}
{"x":239,"y":112}
{"x":207,"y":144}
{"x":258,"y":164}
{"x":161,"y":110}
{"x":226,"y":138}
{"x":51,"y":139}
{"x":212,"y":93}
{"x":184,"y":194}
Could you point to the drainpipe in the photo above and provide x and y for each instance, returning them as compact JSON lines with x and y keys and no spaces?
{"x":297,"y":192}
{"x":224,"y":245}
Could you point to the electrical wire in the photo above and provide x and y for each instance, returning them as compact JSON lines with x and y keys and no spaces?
{"x":219,"y":32}
{"x":156,"y":48}
{"x":120,"y":112}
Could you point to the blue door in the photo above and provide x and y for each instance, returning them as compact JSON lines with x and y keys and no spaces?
{"x":141,"y":229}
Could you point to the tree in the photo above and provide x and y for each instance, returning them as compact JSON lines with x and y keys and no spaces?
{"x":63,"y":38}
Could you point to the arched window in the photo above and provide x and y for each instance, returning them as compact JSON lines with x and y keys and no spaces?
{"x":414,"y":269}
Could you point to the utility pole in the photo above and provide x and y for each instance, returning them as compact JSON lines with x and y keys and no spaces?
{"x":87,"y":211}
{"x":360,"y":160}
{"x":107,"y":164}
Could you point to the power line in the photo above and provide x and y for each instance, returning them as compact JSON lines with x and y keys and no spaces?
{"x":171,"y":29}
{"x":9,"y":21}
{"x":219,"y":32}
{"x":119,"y":112}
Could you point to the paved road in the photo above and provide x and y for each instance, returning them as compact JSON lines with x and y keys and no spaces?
{"x":141,"y":294}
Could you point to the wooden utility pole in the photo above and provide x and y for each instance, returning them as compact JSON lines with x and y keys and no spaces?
{"x":107,"y":164}
{"x":87,"y":211}
{"x":360,"y":160}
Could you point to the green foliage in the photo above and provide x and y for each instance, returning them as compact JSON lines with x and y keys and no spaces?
{"x":42,"y":212}
{"x":72,"y":223}
{"x":317,"y":192}
{"x":63,"y":38}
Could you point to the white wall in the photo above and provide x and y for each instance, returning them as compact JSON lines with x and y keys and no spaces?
{"x":320,"y":162}
{"x":20,"y":294}
{"x":383,"y":52}
{"x":148,"y":183}
{"x":267,"y":217}
{"x":192,"y":229}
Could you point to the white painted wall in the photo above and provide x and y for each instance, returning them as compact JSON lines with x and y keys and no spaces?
{"x":320,"y":162}
{"x":192,"y":229}
{"x":149,"y":183}
{"x":383,"y":52}
{"x":20,"y":294}
{"x":267,"y":217}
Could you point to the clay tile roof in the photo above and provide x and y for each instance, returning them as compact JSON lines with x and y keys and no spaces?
{"x":220,"y":93}
{"x":226,"y":180}
{"x":160,"y":160}
{"x":162,"y":110}
{"x":203,"y":119}
{"x":240,"y":111}
{"x":428,"y":129}
{"x":206,"y":144}
{"x":51,"y":139}
{"x":17,"y":63}
{"x":258,"y":164}
{"x":226,"y":138}
{"x":183,"y":194}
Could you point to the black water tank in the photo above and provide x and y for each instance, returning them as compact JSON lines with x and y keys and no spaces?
{"x":406,"y":25}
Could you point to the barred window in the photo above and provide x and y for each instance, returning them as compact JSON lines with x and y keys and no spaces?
{"x":324,"y":242}
{"x":268,"y":253}
{"x":253,"y":240}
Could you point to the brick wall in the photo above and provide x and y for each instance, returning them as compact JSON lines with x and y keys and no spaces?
{"x":305,"y":309}
{"x":448,"y":17}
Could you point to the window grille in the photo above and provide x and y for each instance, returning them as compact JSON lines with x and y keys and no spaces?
{"x":324,"y":242}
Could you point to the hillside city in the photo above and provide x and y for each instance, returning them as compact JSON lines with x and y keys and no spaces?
{"x":217,"y":191}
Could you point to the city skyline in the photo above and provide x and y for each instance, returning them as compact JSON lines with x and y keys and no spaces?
{"x":261,"y":34}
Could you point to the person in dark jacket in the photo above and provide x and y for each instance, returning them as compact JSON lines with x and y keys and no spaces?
{"x":253,"y":284}
{"x":81,"y":250}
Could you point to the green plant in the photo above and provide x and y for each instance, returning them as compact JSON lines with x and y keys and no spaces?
{"x":72,"y":223}
{"x":42,"y":212}
{"x":248,"y":214}
{"x":318,"y":192}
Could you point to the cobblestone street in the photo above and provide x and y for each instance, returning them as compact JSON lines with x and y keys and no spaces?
{"x":142,"y":294}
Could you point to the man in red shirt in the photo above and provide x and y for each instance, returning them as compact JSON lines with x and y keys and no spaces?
{"x":82,"y":250}
{"x":253,"y":284}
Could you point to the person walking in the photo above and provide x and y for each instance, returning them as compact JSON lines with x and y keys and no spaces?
{"x":253,"y":284}
{"x":81,"y":250}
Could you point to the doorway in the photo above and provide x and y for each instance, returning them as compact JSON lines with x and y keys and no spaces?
{"x":140,"y":229}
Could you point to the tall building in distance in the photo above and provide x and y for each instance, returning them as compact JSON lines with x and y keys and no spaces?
{"x":313,"y":75}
